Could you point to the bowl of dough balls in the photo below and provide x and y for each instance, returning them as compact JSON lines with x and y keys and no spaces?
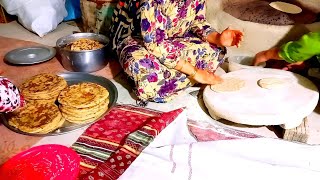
{"x":83,"y":52}
{"x":242,"y":62}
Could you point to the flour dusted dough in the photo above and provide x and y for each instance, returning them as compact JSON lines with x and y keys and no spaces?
{"x":286,"y":7}
{"x":229,"y":85}
{"x":271,"y":83}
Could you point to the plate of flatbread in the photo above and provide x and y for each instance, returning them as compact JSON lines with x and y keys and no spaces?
{"x":60,"y":103}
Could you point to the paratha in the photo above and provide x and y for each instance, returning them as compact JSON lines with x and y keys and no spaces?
{"x":43,"y":86}
{"x":83,"y":95}
{"x":80,"y":112}
{"x":35,"y":117}
{"x":84,"y":117}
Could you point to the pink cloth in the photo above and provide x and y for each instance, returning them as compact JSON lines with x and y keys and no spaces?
{"x":203,"y":131}
{"x":10,"y":98}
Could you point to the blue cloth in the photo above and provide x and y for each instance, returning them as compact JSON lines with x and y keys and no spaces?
{"x":73,"y":9}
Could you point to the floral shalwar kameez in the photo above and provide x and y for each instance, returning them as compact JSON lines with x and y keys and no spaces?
{"x":151,"y":36}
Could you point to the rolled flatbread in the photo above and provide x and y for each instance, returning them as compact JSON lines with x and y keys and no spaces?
{"x":286,"y":7}
{"x":271,"y":83}
{"x":228,"y":85}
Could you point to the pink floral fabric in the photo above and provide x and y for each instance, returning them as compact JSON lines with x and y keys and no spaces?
{"x":204,"y":131}
{"x":10,"y":98}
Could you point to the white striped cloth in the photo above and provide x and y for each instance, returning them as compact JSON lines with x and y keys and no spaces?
{"x":175,"y":154}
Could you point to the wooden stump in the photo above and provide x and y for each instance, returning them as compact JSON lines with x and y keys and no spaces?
{"x":300,"y":133}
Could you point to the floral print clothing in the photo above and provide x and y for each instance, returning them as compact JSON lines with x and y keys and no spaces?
{"x":162,"y":21}
{"x":168,"y":31}
{"x":303,"y":49}
{"x":10,"y":98}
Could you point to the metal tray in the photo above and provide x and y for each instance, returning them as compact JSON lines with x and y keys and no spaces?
{"x":73,"y":78}
{"x":30,"y":55}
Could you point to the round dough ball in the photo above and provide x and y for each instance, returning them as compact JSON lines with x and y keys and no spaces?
{"x":228,"y":85}
{"x":271,"y":83}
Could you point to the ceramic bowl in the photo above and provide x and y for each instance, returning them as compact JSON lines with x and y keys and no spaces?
{"x":242,"y":62}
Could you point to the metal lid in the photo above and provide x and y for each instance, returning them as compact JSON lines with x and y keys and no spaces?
{"x":30,"y":55}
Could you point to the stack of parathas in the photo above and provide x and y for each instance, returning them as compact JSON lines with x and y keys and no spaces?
{"x":37,"y":117}
{"x":43,"y":88}
{"x":79,"y":103}
{"x":40,"y":115}
{"x":83,"y":102}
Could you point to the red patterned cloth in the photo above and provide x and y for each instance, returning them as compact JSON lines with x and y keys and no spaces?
{"x":109,"y":146}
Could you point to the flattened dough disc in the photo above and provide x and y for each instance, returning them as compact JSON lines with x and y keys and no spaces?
{"x":286,"y":7}
{"x":253,"y":105}
{"x":229,"y":85}
{"x":272,"y":83}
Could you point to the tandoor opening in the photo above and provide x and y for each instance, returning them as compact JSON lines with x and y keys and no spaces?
{"x":286,"y":12}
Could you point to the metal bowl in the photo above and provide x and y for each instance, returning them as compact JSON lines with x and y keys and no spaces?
{"x":85,"y":60}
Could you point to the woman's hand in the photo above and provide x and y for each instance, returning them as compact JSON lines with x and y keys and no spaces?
{"x":206,"y":77}
{"x":230,"y":37}
{"x":294,"y":67}
{"x":227,"y":38}
{"x":199,"y":75}
{"x":298,"y":66}
{"x":264,"y":56}
{"x":277,"y":63}
{"x":260,"y":58}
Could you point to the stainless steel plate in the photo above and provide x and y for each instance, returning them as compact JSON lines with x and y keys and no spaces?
{"x":73,"y":78}
{"x":30,"y":55}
